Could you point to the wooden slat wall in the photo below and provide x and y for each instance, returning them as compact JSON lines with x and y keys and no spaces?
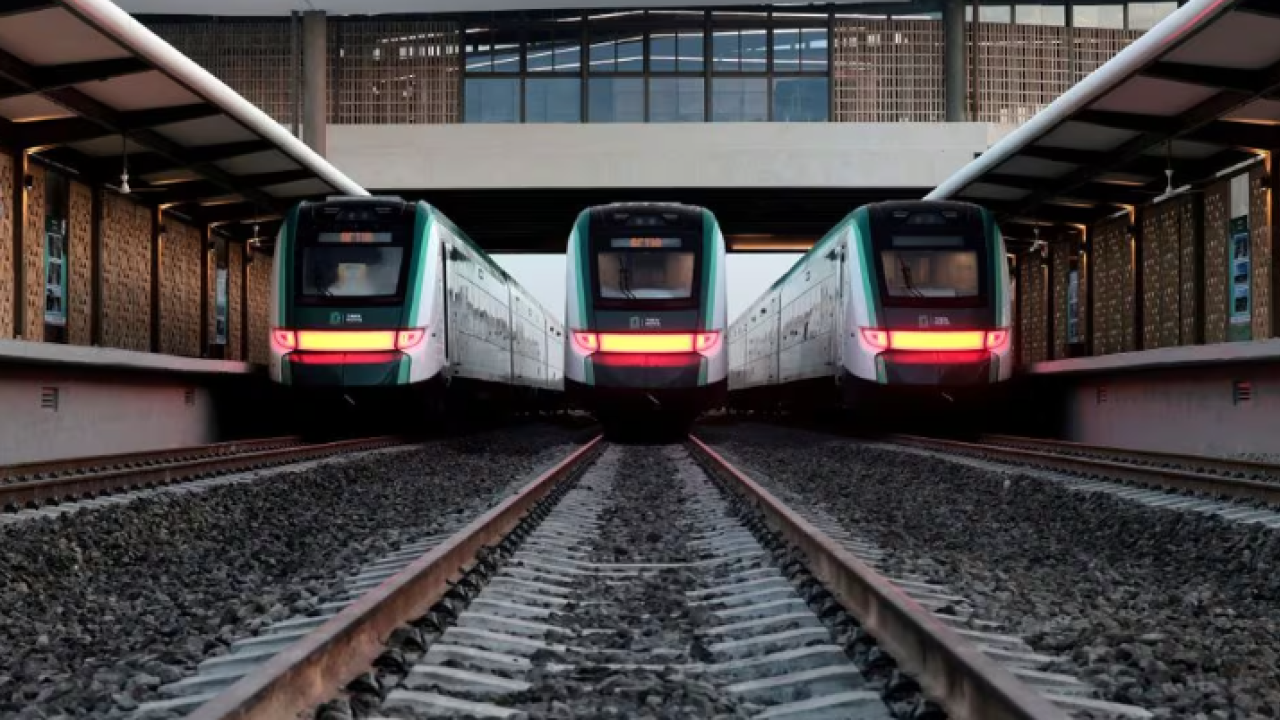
{"x":80,"y":265}
{"x":7,"y":197}
{"x":1163,"y":239}
{"x":1113,"y":296}
{"x":1060,"y":257}
{"x":1190,"y":281}
{"x":33,"y":257}
{"x":126,"y":274}
{"x":1033,"y":274}
{"x":180,"y":290}
{"x":259,"y":298}
{"x":235,"y":297}
{"x":1260,"y":252}
{"x":1217,"y":209}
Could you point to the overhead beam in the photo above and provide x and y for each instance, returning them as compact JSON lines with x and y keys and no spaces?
{"x":1251,"y":82}
{"x":22,"y":7}
{"x":17,"y":71}
{"x":1112,"y":194}
{"x":196,"y":190}
{"x":61,"y":76}
{"x":1204,"y":114}
{"x":62,"y":131}
{"x":1239,"y":135}
{"x":149,"y":163}
{"x":1057,"y":214}
{"x":1266,"y":8}
{"x":226,"y":213}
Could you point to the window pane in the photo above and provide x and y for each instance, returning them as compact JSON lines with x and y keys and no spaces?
{"x":616,"y":52}
{"x":726,"y":51}
{"x":351,"y":271}
{"x":800,"y":99}
{"x":1041,"y":15}
{"x":1145,"y":15}
{"x":1099,"y":16}
{"x":675,"y":51}
{"x":553,"y":100}
{"x":739,"y":100}
{"x":615,"y":100}
{"x":991,"y":13}
{"x":558,"y":51}
{"x":645,"y":275}
{"x":676,"y":100}
{"x":490,"y":51}
{"x":800,"y":50}
{"x":492,"y":100}
{"x":930,"y":273}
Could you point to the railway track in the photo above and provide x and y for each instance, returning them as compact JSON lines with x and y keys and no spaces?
{"x":1236,"y":480}
{"x":40,"y":484}
{"x":629,"y":579}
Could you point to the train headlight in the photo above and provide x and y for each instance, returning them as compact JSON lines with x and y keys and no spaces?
{"x":407,"y":339}
{"x":997,"y":339}
{"x":285,"y":339}
{"x":587,"y":342}
{"x":706,"y":343}
{"x":877,"y":339}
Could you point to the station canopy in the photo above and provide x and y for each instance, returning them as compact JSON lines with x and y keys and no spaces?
{"x":87,"y":88}
{"x":1198,"y":94}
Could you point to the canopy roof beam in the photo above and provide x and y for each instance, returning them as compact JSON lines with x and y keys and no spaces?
{"x":62,"y":76}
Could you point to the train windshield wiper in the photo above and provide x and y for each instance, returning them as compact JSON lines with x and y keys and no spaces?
{"x":906,"y":280}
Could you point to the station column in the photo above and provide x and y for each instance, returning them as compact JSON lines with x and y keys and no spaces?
{"x":954,"y":67}
{"x":315,"y":90}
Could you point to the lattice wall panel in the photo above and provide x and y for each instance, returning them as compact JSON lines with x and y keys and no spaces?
{"x":1095,"y":46}
{"x":253,"y":57}
{"x":1021,"y":69}
{"x":259,"y":298}
{"x":1190,"y":282}
{"x":6,"y":245}
{"x":887,"y":71}
{"x":235,"y":300}
{"x":1217,"y":210}
{"x":126,"y":274}
{"x":80,"y":265}
{"x":1033,"y":276}
{"x":33,"y":257}
{"x":393,"y":72}
{"x":180,"y":290}
{"x":1151,"y":275}
{"x":1113,"y":296}
{"x":1260,"y":240}
{"x":1060,"y":257}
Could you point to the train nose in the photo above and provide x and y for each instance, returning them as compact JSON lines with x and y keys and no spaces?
{"x":944,"y":369}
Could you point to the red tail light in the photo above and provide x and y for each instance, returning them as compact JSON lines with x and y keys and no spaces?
{"x":348,"y":341}
{"x":935,"y":340}
{"x":647,"y":343}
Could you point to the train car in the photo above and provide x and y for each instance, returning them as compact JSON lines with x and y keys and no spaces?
{"x":905,"y":300}
{"x":646,"y":311}
{"x":384,"y":305}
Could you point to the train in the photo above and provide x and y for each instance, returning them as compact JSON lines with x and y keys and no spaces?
{"x":904,"y":307}
{"x":646,"y":312}
{"x":383,"y":308}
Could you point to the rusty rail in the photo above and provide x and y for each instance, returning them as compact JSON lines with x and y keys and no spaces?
{"x":1157,"y":477}
{"x":38,"y":492}
{"x":950,"y":670}
{"x":44,"y":468}
{"x":311,"y":670}
{"x":1225,"y":466}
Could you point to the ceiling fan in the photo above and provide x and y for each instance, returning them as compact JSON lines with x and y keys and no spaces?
{"x":123,"y":187}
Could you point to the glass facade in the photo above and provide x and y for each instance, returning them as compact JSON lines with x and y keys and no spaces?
{"x":664,"y":66}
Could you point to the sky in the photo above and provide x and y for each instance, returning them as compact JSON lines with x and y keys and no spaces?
{"x":750,"y":274}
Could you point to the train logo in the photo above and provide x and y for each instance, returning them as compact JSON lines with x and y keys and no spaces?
{"x":638,"y":323}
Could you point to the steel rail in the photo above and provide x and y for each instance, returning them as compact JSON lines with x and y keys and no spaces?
{"x":143,"y":457}
{"x":38,"y":492}
{"x":950,"y":669}
{"x":1191,"y":462}
{"x":312,"y":670}
{"x":1164,"y":478}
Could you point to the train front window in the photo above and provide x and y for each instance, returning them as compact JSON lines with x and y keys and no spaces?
{"x":658,"y":270}
{"x":930,"y":267}
{"x":352,"y":264}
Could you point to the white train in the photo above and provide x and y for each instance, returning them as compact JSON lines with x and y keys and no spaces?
{"x":385,"y":304}
{"x":902,"y":301}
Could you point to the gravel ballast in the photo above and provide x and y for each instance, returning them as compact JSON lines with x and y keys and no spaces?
{"x":100,"y":607}
{"x":1173,"y":611}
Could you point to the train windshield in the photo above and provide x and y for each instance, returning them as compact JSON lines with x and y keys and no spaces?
{"x":344,"y":259}
{"x":930,"y":267}
{"x":646,"y":269}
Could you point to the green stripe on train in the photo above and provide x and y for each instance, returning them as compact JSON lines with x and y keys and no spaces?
{"x":422,"y":218}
